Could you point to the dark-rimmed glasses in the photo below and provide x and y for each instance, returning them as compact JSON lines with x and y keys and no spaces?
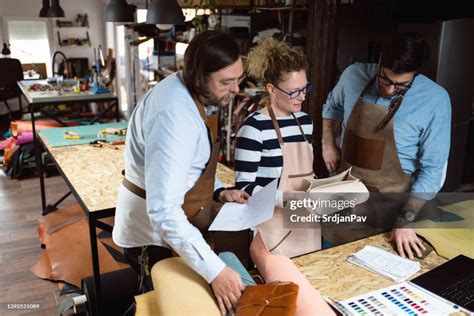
{"x":294,"y":94}
{"x":385,"y":81}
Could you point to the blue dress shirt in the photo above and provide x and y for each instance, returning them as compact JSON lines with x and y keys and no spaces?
{"x":422,"y":125}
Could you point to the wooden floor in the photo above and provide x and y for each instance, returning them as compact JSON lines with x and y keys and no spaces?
{"x":20,"y":208}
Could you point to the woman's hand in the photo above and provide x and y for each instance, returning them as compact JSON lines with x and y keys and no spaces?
{"x":233,"y":196}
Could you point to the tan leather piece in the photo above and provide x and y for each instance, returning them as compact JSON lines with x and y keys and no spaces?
{"x":108,"y":220}
{"x":146,"y":304}
{"x":62,"y":217}
{"x":42,"y":233}
{"x":109,"y":242}
{"x":42,"y":269}
{"x":70,"y":254}
{"x":275,"y":299}
{"x":179,"y":290}
{"x":363,"y":123}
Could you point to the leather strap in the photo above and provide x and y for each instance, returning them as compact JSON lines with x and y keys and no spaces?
{"x":277,"y":126}
{"x":134,"y":188}
{"x":394,"y":106}
{"x":299,"y":126}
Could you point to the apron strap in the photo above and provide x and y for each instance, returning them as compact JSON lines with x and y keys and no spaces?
{"x":393,"y":107}
{"x":369,"y":84}
{"x":299,"y":126}
{"x":211,"y":122}
{"x":275,"y":124}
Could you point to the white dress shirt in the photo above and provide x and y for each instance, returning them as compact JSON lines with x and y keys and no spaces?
{"x":167,"y":148}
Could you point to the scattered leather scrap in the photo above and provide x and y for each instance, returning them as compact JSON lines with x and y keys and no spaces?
{"x":70,"y":253}
{"x":62,"y":217}
{"x":42,"y":269}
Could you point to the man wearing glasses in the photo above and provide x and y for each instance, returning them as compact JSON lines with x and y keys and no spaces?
{"x":395,"y":125}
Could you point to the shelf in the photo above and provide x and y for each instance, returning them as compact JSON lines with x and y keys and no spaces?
{"x":75,"y":46}
{"x":77,"y":40}
{"x":281,"y":8}
{"x":73,"y":27}
{"x":247,"y":7}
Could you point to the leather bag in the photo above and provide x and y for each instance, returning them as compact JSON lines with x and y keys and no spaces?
{"x":274,"y":299}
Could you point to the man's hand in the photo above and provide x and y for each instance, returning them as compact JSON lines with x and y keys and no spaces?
{"x":227,"y":287}
{"x":233,"y":196}
{"x":406,"y":240}
{"x":331,"y":157}
{"x":331,"y":153}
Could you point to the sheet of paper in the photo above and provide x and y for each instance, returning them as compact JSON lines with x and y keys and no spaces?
{"x":258,"y":209}
{"x":384,"y":263}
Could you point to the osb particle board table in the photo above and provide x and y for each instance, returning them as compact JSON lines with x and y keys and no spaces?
{"x":41,"y":100}
{"x":330,"y":273}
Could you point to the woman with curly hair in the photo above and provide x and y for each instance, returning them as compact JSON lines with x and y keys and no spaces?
{"x":275,"y":142}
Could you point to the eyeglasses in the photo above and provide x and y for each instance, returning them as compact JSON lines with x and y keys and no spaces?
{"x":294,"y":94}
{"x":385,"y":81}
{"x":227,"y":83}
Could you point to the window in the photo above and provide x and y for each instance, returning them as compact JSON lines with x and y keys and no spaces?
{"x":29,"y":41}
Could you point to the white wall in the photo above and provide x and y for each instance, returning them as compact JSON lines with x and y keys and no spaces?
{"x":93,"y":8}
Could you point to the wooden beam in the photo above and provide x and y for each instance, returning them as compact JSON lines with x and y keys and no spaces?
{"x":322,"y":53}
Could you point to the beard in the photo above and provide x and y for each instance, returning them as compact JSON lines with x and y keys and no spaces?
{"x":215,"y":100}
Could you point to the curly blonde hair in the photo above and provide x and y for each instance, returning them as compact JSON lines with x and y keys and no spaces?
{"x":271,"y":60}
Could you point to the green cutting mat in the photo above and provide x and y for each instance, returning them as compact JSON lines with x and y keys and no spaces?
{"x":55,"y":136}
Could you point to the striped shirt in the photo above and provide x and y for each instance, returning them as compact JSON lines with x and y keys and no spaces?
{"x":258,"y":156}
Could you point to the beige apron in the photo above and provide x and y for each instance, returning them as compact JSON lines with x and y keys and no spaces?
{"x":297,"y":165}
{"x":369,"y":146}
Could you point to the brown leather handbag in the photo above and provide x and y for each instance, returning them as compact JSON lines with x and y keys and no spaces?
{"x":274,"y":299}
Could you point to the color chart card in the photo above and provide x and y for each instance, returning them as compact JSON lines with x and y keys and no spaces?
{"x":400,"y":299}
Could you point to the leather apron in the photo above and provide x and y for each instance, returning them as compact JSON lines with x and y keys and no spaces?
{"x":199,"y":207}
{"x":369,"y":146}
{"x":297,"y":165}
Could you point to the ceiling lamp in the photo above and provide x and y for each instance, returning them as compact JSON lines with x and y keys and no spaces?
{"x":119,"y":11}
{"x":44,"y":10}
{"x":164,"y":12}
{"x":55,"y":10}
